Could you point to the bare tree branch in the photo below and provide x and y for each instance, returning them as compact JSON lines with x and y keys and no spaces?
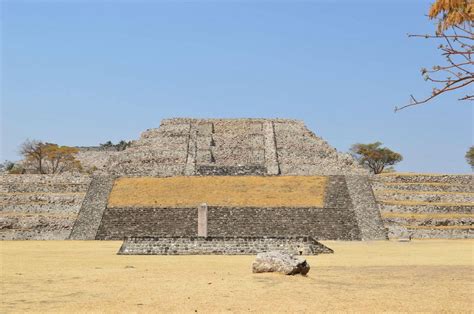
{"x":459,"y":70}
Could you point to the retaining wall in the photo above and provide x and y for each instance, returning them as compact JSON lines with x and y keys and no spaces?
{"x":320,"y":223}
{"x":221,"y":245}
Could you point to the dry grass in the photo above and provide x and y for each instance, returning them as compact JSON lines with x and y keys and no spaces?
{"x":408,"y":203}
{"x":426,"y":216}
{"x":289,"y":191}
{"x":85,"y":276}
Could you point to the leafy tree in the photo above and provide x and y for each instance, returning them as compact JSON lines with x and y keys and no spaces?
{"x":375,"y":157}
{"x":470,"y":157}
{"x":455,"y":22}
{"x":107,"y":144}
{"x":122,"y":145}
{"x":61,"y":158}
{"x":49,"y":158}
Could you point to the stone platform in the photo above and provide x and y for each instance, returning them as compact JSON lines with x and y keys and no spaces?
{"x":220,"y":245}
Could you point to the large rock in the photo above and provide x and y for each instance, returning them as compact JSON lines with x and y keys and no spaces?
{"x":280,"y":262}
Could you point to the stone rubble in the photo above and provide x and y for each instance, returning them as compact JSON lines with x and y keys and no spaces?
{"x":281,"y":262}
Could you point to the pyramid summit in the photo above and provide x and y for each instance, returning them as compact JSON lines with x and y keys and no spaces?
{"x":185,"y":146}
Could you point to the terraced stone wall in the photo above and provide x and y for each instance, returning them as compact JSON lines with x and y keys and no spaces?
{"x":230,"y":147}
{"x":333,"y":217}
{"x":41,"y":207}
{"x":426,"y":206}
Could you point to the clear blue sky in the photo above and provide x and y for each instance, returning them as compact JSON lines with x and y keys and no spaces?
{"x":84,"y":72}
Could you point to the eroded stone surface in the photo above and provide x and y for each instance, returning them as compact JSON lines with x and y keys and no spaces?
{"x":230,"y":147}
{"x":281,"y":262}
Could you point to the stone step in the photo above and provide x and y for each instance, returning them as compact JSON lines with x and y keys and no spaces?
{"x":38,"y":187}
{"x":397,"y":232}
{"x":220,"y":246}
{"x":35,"y":234}
{"x":33,"y":197}
{"x":436,"y":197}
{"x":149,"y":168}
{"x":426,"y":178}
{"x":431,"y":208}
{"x":43,"y":179}
{"x":40,"y":207}
{"x":322,"y":168}
{"x":456,"y":222}
{"x":427,"y":187}
{"x":211,"y":170}
{"x":448,"y":215}
{"x":14,"y":226}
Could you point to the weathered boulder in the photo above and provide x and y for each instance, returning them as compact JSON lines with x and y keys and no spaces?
{"x":281,"y":262}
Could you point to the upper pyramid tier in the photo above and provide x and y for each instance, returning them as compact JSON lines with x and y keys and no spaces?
{"x":231,"y":147}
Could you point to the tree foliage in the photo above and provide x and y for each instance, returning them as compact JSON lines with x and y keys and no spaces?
{"x":470,"y":157}
{"x":375,"y":157}
{"x":455,"y":22}
{"x":451,"y":13}
{"x":51,"y":158}
{"x":122,"y":145}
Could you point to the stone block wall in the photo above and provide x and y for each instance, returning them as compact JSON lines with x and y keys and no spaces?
{"x":220,"y":245}
{"x":92,"y":209}
{"x":119,"y":223}
{"x":319,"y":223}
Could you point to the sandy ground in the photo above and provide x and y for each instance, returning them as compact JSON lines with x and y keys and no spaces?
{"x":68,"y":276}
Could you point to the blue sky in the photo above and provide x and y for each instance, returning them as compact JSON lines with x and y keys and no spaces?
{"x":84,"y":72}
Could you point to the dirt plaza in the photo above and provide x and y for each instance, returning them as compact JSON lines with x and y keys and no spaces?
{"x":78,"y":276}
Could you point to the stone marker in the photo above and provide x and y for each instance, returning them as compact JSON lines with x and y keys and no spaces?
{"x":202,"y":220}
{"x":281,"y":262}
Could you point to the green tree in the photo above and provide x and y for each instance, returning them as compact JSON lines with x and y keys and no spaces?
{"x":122,"y":145}
{"x":470,"y":157}
{"x":375,"y":157}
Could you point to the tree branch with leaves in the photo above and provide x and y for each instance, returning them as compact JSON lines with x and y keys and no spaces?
{"x":374,"y":156}
{"x":455,"y":23}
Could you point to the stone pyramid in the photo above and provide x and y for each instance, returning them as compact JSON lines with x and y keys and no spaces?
{"x":183,"y":146}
